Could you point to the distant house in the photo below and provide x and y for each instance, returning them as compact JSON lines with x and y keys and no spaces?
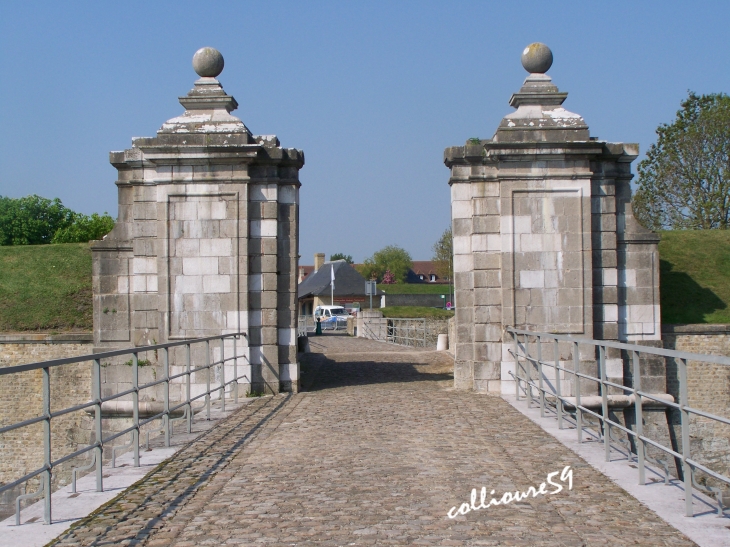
{"x":424,"y":271}
{"x":304,"y":271}
{"x":315,"y":289}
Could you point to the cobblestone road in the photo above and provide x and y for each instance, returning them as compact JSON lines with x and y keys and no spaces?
{"x":375,"y":451}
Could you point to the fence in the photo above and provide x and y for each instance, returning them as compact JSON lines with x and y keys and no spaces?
{"x":535,"y":375}
{"x":413,"y":332}
{"x":307,"y":324}
{"x":183,"y":408}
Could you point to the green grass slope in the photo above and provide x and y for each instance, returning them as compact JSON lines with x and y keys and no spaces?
{"x":48,"y":287}
{"x":411,"y":312}
{"x":695,"y":276}
{"x":45,"y":288}
{"x":415,"y":288}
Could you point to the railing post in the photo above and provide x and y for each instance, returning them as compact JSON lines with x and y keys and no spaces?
{"x":638,"y":405}
{"x":207,"y":380}
{"x":166,"y":394}
{"x":539,"y":376}
{"x":424,"y":334}
{"x":528,"y":373}
{"x":235,"y":368}
{"x":558,"y":393}
{"x":578,"y":411}
{"x":517,"y":367}
{"x":99,"y":450}
{"x":223,"y":377}
{"x":47,"y":474}
{"x":187,"y":387}
{"x":135,"y":407}
{"x":683,"y":404}
{"x":604,"y":402}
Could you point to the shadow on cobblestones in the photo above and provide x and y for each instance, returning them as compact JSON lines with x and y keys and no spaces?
{"x":320,"y":372}
{"x":173,"y":483}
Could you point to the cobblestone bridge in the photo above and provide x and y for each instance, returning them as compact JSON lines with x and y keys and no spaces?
{"x":375,"y":451}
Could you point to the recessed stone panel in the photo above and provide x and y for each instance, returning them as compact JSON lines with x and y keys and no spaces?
{"x":546,"y":280}
{"x":209,"y":261}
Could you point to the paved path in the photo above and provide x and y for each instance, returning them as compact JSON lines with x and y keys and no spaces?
{"x":376,"y":451}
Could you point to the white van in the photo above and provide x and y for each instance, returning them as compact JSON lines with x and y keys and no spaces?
{"x":331,"y":317}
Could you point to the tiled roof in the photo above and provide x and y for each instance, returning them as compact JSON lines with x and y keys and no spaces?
{"x":348,"y":282}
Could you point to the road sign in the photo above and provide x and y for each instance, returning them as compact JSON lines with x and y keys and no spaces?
{"x":370,"y":288}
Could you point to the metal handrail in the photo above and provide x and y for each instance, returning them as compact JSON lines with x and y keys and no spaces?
{"x":404,"y":331}
{"x":97,"y":400}
{"x":303,"y":325}
{"x":554,"y":393}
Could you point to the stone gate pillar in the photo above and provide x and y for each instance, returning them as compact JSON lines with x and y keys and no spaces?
{"x":206,"y":239}
{"x":544,"y":236}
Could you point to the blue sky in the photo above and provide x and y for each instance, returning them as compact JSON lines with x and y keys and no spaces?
{"x":371,"y":91}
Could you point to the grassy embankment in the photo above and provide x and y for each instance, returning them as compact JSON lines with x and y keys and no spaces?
{"x":47,"y":288}
{"x":695,"y":276}
{"x":415,"y":288}
{"x":411,"y":312}
{"x":416,"y":311}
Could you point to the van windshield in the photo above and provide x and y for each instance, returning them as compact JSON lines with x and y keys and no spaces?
{"x":339,"y":311}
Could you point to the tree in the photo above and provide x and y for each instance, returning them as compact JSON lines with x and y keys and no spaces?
{"x":32,"y":220}
{"x":85,"y":228}
{"x":392,"y":258}
{"x":684,"y":182}
{"x":388,"y":278}
{"x":443,"y":254}
{"x":341,"y":256}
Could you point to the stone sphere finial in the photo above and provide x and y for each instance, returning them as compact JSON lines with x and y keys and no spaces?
{"x":537,"y":58}
{"x":208,"y":62}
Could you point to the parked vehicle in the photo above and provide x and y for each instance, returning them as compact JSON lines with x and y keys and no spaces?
{"x":331,"y":317}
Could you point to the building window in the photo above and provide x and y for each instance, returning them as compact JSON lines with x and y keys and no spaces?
{"x":433,"y":278}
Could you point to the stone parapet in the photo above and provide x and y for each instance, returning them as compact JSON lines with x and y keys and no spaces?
{"x":45,"y":338}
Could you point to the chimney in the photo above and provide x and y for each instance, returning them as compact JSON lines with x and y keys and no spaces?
{"x":318,"y":261}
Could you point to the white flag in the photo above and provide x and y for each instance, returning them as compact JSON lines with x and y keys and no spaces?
{"x":332,"y":277}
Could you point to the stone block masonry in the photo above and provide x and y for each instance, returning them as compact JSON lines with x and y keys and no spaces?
{"x":206,"y":240}
{"x":545,"y":239}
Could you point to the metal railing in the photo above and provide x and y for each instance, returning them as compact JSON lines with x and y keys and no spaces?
{"x":407,"y":332}
{"x":550,"y":391}
{"x":412,"y":332}
{"x":305,"y":325}
{"x":308,"y":324}
{"x":96,"y":448}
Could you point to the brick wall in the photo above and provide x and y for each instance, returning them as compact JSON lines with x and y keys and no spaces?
{"x":708,"y":389}
{"x":21,"y":398}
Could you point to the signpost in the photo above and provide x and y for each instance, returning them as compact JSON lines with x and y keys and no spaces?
{"x":371,"y":289}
